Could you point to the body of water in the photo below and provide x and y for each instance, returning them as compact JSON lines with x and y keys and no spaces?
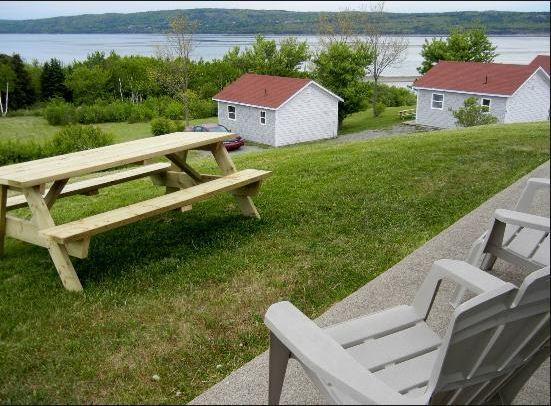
{"x":68,"y":47}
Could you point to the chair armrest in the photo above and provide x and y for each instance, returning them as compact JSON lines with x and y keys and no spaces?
{"x":462,"y":274}
{"x":330,"y":362}
{"x":520,"y":219}
{"x":527,"y":196}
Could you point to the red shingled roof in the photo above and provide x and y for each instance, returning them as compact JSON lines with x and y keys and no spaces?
{"x":476,"y":77}
{"x":261,"y":90}
{"x":543,"y":61}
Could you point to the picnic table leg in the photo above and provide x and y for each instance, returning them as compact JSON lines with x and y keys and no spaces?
{"x":3,"y":211}
{"x":179,"y":163}
{"x":227,"y":166}
{"x":43,"y":219}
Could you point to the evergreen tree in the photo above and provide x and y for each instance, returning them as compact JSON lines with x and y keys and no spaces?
{"x":53,"y":80}
{"x":23,"y":94}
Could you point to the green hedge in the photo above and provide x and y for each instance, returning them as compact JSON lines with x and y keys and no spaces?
{"x":71,"y":138}
{"x":59,"y":112}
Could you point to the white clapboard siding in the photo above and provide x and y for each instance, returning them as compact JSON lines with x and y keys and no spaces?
{"x":530,"y":102}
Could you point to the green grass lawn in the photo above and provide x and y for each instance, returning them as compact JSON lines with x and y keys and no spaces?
{"x":363,"y":120}
{"x":37,"y":128}
{"x":183,"y":295}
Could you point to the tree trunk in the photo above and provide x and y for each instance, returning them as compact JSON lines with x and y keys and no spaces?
{"x":375,"y":94}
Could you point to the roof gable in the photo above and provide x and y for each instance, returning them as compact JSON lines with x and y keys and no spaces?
{"x":542,"y":60}
{"x":476,"y":77}
{"x":263,"y":90}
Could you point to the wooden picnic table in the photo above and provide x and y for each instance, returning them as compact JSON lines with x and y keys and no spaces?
{"x":184,"y":186}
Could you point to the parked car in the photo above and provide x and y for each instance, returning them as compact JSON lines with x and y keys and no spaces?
{"x":231,"y":144}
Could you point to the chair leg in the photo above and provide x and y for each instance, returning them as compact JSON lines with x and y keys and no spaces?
{"x":279,"y":358}
{"x":488,"y":262}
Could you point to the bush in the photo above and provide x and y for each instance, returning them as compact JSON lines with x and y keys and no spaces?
{"x":472,"y":114}
{"x":174,"y":110}
{"x":58,"y":112}
{"x":79,"y":137}
{"x":141,"y":112}
{"x":34,"y":112}
{"x":162,"y":125}
{"x":379,"y":108}
{"x":392,"y":96}
{"x":14,"y":151}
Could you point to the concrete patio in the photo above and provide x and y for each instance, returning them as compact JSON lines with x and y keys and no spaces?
{"x":249,"y":384}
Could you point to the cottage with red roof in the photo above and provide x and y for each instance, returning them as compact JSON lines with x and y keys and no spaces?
{"x":512,"y":93}
{"x":278,"y":110}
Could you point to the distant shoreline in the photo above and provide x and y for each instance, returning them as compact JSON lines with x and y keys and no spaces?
{"x":535,"y":35}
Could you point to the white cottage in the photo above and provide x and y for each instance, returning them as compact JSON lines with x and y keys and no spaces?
{"x":512,"y":93}
{"x":277,"y":110}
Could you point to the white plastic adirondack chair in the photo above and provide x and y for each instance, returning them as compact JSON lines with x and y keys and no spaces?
{"x":515,"y":236}
{"x":493,"y":344}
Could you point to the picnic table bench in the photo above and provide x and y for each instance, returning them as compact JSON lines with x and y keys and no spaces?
{"x":409,"y":113}
{"x":184,"y":186}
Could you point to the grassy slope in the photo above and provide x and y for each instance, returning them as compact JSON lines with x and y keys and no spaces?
{"x":363,"y":120}
{"x":182,"y":295}
{"x":38,"y":128}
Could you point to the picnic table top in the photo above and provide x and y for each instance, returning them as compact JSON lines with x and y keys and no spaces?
{"x":32,"y":173}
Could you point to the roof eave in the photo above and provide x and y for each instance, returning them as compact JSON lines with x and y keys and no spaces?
{"x":461,"y":91}
{"x":245,"y":104}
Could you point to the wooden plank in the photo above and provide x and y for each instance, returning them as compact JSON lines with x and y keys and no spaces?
{"x":45,"y":170}
{"x":54,"y":191}
{"x":91,"y":185}
{"x":26,"y":231}
{"x":3,"y":210}
{"x":180,"y":161}
{"x":125,"y":215}
{"x":58,"y":252}
{"x":227,"y":166}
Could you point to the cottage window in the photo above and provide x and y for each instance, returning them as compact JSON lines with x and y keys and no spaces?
{"x":486,"y":104}
{"x":437,"y":101}
{"x":262,"y":117}
{"x":231,"y":112}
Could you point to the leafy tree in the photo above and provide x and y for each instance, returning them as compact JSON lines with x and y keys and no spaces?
{"x":88,"y":85}
{"x":473,"y":113}
{"x":52,"y":80}
{"x":15,"y":83}
{"x":471,"y":45}
{"x":265,"y":58}
{"x":7,"y":82}
{"x":340,"y":68}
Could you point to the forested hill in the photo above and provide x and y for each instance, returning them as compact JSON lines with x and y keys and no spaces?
{"x":233,"y":21}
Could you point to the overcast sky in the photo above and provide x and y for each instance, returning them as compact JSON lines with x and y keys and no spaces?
{"x":40,"y":9}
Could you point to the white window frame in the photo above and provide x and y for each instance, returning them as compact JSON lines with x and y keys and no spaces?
{"x":234,"y":112}
{"x":265,"y":117}
{"x":432,"y":101}
{"x":489,"y":104}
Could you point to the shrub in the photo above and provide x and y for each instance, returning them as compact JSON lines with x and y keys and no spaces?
{"x":141,"y":112}
{"x":13,"y":151}
{"x":379,"y":108}
{"x":173,"y":110}
{"x":392,"y":96}
{"x":79,"y":137}
{"x":472,"y":113}
{"x":162,"y":125}
{"x":34,"y":112}
{"x":58,"y":112}
{"x":199,"y":108}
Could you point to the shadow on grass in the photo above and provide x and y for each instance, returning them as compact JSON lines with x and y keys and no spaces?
{"x":162,"y":244}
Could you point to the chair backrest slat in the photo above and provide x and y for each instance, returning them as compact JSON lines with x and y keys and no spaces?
{"x":490,"y":338}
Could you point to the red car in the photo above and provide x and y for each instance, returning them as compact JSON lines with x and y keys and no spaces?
{"x":231,"y":144}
